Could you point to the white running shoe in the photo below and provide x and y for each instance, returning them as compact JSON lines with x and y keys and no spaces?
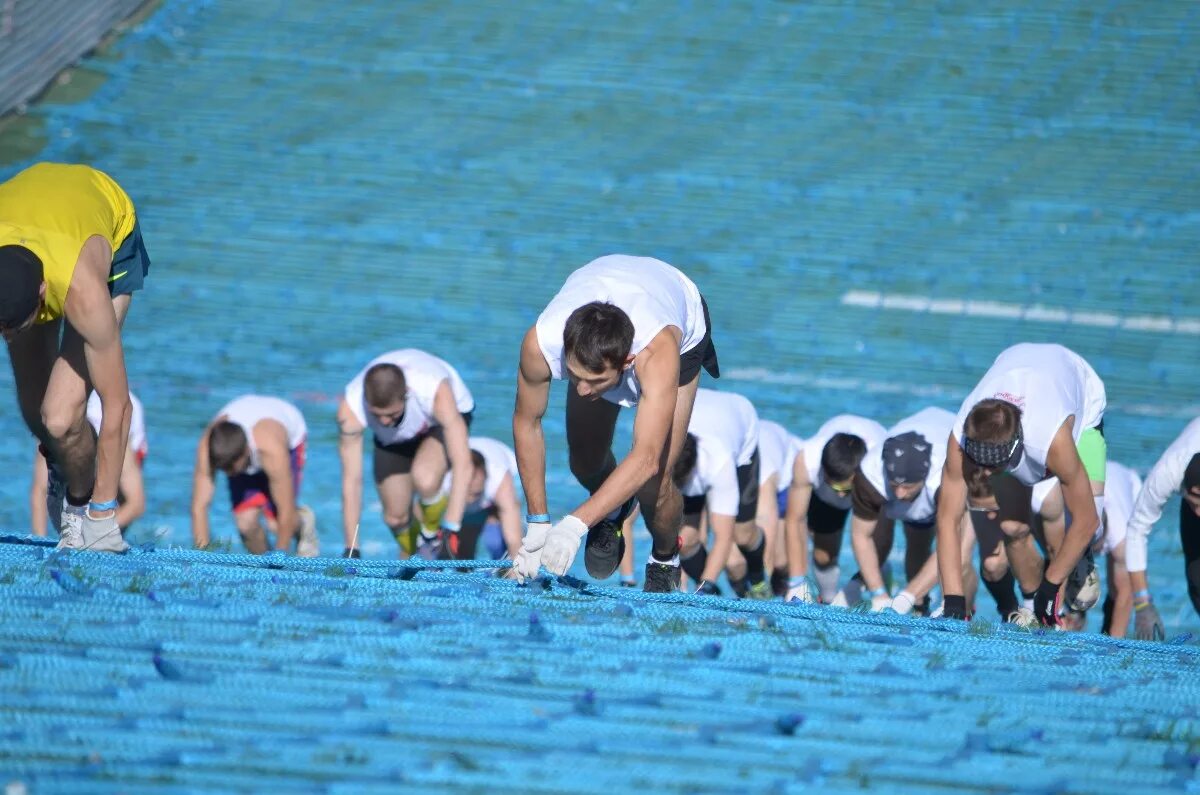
{"x":70,"y":526}
{"x":308,"y":546}
{"x":1023,"y":617}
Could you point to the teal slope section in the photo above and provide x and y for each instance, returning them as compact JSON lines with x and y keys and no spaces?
{"x":184,"y":671}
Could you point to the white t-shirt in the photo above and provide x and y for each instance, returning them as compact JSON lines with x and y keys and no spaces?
{"x":1048,"y":383}
{"x":423,"y":373}
{"x":499,"y":460}
{"x":1164,"y":479}
{"x":1121,"y":487}
{"x":137,"y":422}
{"x":652,"y":293}
{"x":726,"y":429}
{"x":934,"y":425}
{"x":776,"y":454}
{"x":870,"y":431}
{"x":249,"y":410}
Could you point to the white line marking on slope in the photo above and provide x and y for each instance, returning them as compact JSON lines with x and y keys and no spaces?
{"x":869,"y":299}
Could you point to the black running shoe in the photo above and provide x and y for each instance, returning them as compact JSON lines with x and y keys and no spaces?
{"x":707,"y":588}
{"x":604,"y":548}
{"x":661,"y":578}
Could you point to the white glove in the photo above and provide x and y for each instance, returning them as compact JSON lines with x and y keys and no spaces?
{"x":102,"y":535}
{"x":529,"y":558}
{"x":562,"y":543}
{"x":880,"y":601}
{"x":798,"y":590}
{"x":903,"y":603}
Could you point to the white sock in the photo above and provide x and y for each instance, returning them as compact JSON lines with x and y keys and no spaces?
{"x":827,"y":581}
{"x":674,"y":561}
{"x":1027,"y":604}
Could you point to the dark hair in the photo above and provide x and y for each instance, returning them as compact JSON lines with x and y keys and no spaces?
{"x":686,"y":461}
{"x":227,"y":443}
{"x":979,"y":481}
{"x":22,"y":276}
{"x":479,"y":461}
{"x":1191,"y":475}
{"x":992,"y":421}
{"x":598,"y":336}
{"x":841,"y":456}
{"x":383,"y":385}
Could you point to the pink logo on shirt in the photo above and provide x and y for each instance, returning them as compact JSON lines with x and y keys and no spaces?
{"x":1008,"y":397}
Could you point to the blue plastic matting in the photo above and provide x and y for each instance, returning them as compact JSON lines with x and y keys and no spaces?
{"x":875,"y":198}
{"x":173,"y":671}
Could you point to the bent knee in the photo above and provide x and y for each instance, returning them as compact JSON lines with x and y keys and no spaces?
{"x":60,"y":422}
{"x":994,"y":568}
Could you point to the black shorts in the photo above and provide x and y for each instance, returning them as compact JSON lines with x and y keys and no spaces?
{"x":825,"y":518}
{"x":703,"y":355}
{"x":747,"y":478}
{"x":130,"y":265}
{"x":396,"y":459}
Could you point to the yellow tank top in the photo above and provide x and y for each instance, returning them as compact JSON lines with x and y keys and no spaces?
{"x":52,"y":209}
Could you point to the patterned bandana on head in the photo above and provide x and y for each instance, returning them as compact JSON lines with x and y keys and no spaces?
{"x":995,"y":454}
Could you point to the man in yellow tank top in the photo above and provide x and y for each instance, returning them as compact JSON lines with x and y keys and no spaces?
{"x":71,"y":250}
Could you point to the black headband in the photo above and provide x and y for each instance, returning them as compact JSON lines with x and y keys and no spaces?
{"x":995,"y":454}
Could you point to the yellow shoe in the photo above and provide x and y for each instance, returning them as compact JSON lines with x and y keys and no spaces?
{"x":431,"y":514}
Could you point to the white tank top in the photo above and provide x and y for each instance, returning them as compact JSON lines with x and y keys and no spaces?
{"x":934,"y":424}
{"x":1041,"y":491}
{"x":249,"y":410}
{"x":726,"y":429}
{"x":776,"y":454}
{"x":870,"y":431}
{"x":423,"y":373}
{"x":499,"y":460}
{"x":1048,"y":383}
{"x":652,"y":293}
{"x":137,"y":421}
{"x":1121,"y":488}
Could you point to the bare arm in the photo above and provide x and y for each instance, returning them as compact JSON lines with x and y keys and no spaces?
{"x":1120,"y":590}
{"x":718,"y":556}
{"x":508,"y":509}
{"x":38,"y":485}
{"x":952,"y":504}
{"x":202,"y":493}
{"x":796,"y":519}
{"x":276,"y":460}
{"x":350,"y":450}
{"x":533,"y":394}
{"x":133,"y":491}
{"x":1063,"y":461}
{"x":862,"y":539}
{"x":658,"y":371}
{"x":90,"y":312}
{"x":454,"y":433}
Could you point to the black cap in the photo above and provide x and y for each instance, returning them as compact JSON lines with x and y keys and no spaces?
{"x":907,"y":458}
{"x":20,"y":285}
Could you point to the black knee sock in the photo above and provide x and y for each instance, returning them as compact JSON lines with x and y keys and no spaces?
{"x":740,"y":587}
{"x":693,"y":565}
{"x":755,"y":569}
{"x":79,"y":502}
{"x":594,"y":481}
{"x":779,"y":582}
{"x":1004,"y":592}
{"x":1109,"y":605}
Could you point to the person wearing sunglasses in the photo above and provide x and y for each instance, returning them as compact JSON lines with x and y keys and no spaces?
{"x":419,"y":413}
{"x":818,"y":500}
{"x":1037,"y":413}
{"x":898,"y":480}
{"x":71,"y":257}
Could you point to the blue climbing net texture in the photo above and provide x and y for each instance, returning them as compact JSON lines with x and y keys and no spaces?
{"x":175,"y":671}
{"x":875,"y":199}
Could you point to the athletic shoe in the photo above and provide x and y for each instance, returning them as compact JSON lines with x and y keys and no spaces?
{"x":604,"y":548}
{"x":1083,"y":584}
{"x":430,"y":548}
{"x":760,"y":591}
{"x":707,"y":588}
{"x":1023,"y":617}
{"x":70,"y":528}
{"x":307,"y":545}
{"x":661,"y":578}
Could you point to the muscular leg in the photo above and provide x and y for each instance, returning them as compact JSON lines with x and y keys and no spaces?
{"x":662,"y":504}
{"x":394,"y":480}
{"x":429,"y":467}
{"x":251,"y":530}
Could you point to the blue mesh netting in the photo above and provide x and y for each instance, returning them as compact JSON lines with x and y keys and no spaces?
{"x":319,"y":182}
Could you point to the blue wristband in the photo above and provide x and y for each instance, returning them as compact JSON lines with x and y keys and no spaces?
{"x":451,"y":527}
{"x":99,"y":507}
{"x":878,"y":592}
{"x":796,"y":582}
{"x":536,"y":518}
